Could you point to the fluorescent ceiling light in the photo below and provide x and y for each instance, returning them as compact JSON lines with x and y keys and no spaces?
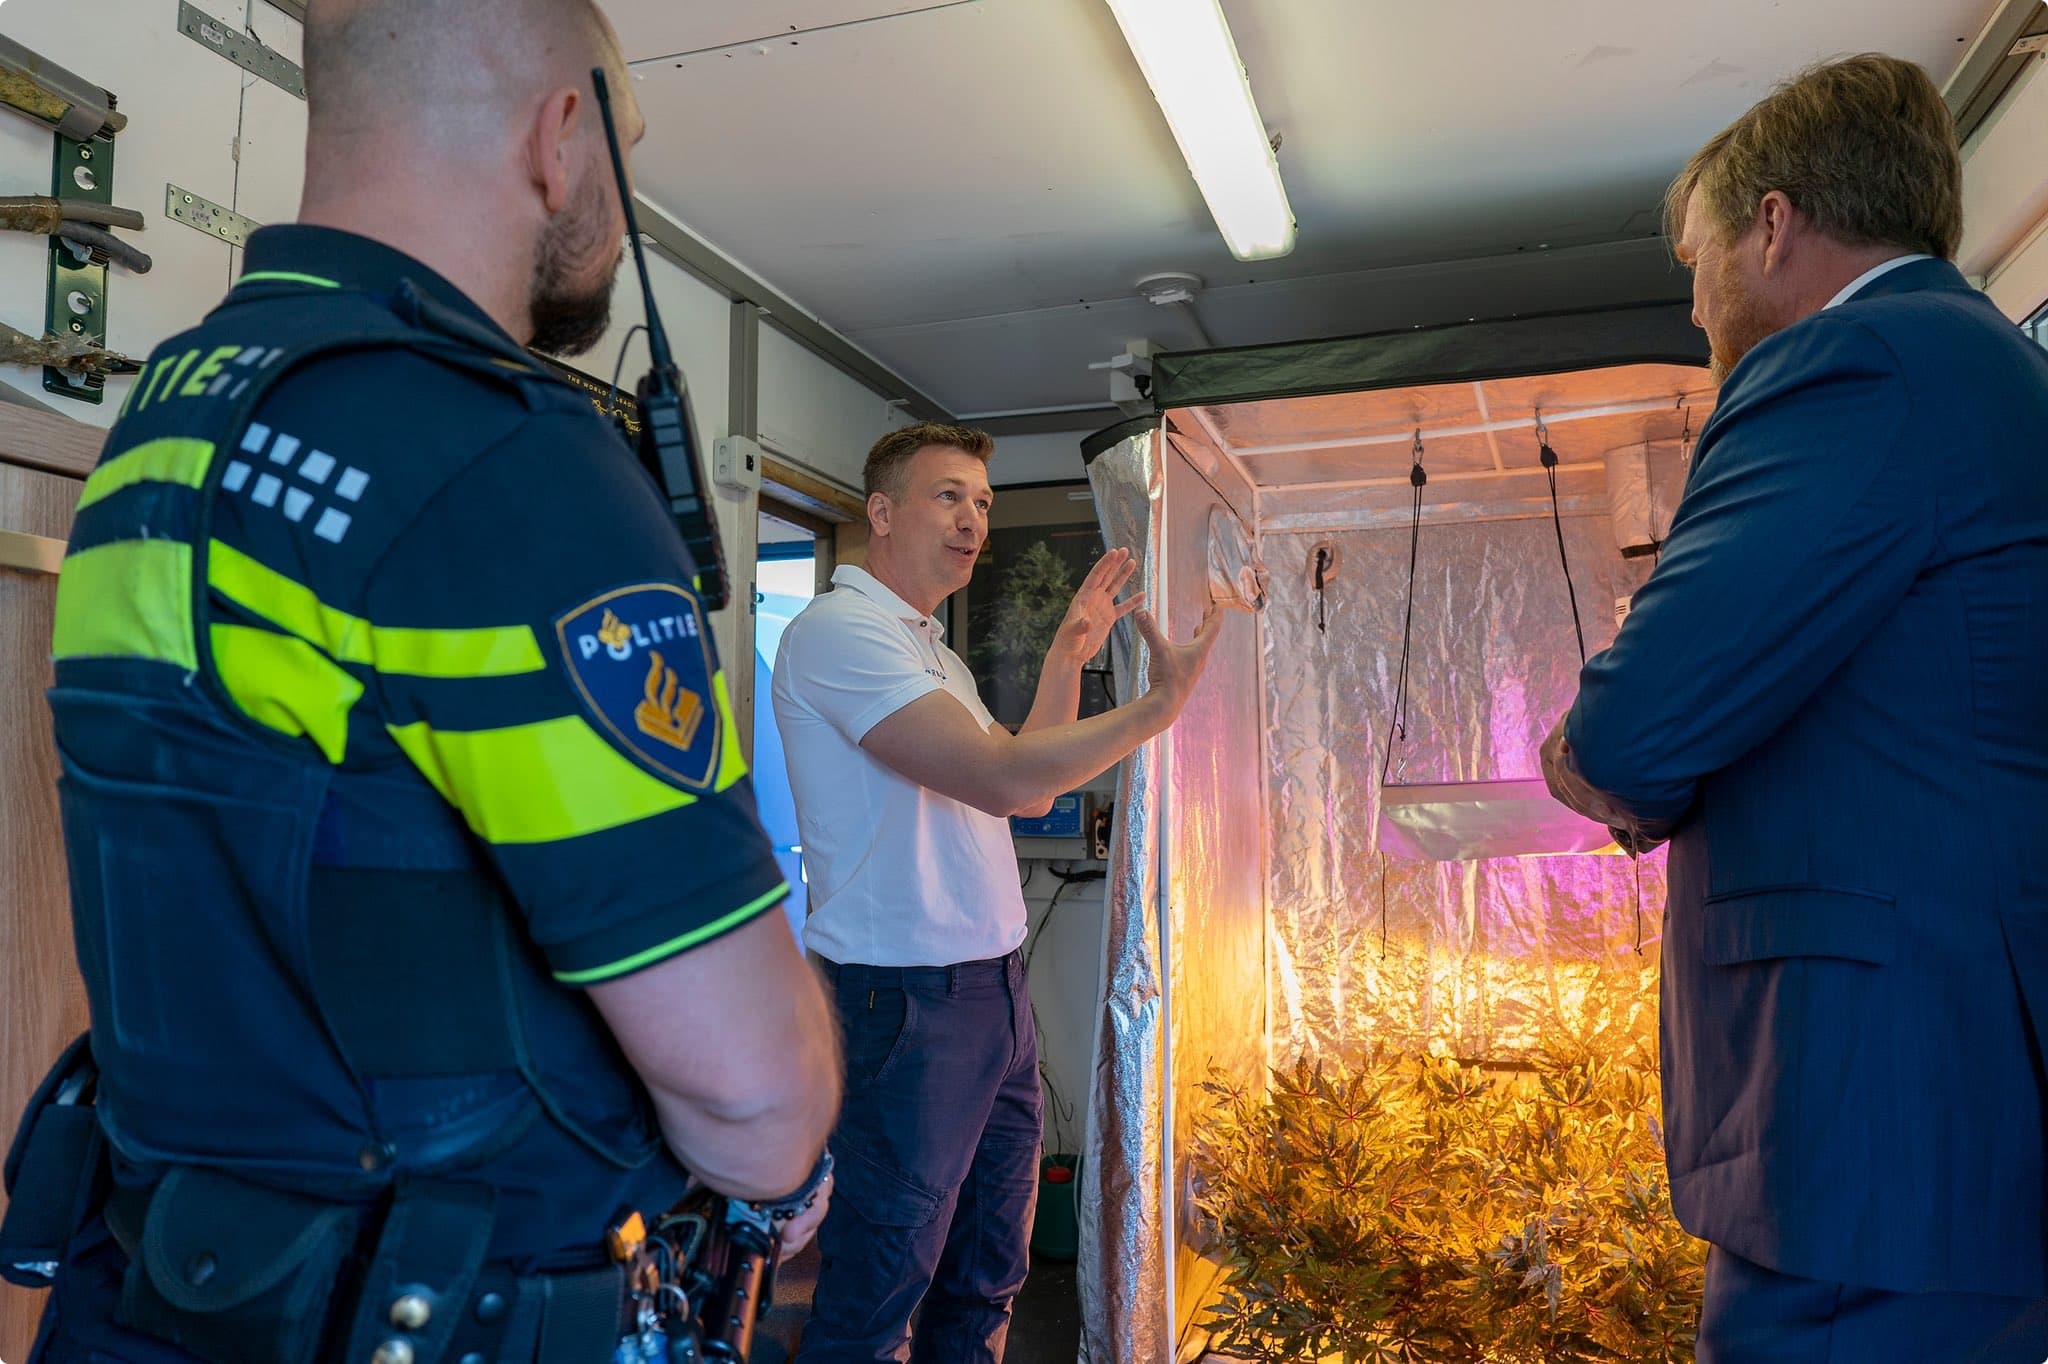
{"x":1186,"y":52}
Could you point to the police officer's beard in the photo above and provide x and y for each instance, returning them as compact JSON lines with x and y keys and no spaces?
{"x":569,"y":312}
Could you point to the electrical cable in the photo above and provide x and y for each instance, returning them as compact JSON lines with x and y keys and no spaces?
{"x":620,"y":367}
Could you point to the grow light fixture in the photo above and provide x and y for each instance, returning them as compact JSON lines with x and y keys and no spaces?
{"x":1466,"y":820}
{"x":1189,"y":59}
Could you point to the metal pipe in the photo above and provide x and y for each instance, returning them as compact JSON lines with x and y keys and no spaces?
{"x":55,"y":97}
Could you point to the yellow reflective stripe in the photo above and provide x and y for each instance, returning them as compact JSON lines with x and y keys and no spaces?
{"x":173,"y":459}
{"x":286,"y":684}
{"x":536,"y":783}
{"x":158,"y":368}
{"x":135,"y":388}
{"x":677,"y":944}
{"x":485,"y":651}
{"x":178,"y":374}
{"x":287,"y":604}
{"x":211,"y":366}
{"x":127,"y":599}
{"x":286,"y":277}
{"x":732,"y":760}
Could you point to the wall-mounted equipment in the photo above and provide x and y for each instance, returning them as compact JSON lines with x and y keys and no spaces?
{"x":1066,"y":819}
{"x":81,"y":198}
{"x":1130,"y":377}
{"x":46,"y":92}
{"x":736,"y":464}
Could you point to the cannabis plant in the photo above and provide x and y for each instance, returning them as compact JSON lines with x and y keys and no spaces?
{"x":1431,"y":1211}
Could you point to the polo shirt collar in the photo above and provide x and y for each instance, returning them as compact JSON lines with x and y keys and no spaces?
{"x":869,"y":586}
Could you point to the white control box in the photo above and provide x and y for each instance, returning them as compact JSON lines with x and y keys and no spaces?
{"x":736,"y":464}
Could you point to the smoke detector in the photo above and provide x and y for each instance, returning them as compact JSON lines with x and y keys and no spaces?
{"x":1170,"y":287}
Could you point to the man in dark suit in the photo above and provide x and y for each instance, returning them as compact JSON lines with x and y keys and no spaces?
{"x":1832,"y":698}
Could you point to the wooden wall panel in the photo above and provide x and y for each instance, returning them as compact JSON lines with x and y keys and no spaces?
{"x":42,"y":1001}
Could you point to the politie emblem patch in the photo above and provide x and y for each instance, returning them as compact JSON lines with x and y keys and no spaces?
{"x":640,"y":657}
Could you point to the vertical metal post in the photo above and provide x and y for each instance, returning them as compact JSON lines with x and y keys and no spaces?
{"x":743,"y":418}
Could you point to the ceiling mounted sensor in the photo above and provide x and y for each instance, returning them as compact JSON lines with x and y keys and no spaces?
{"x":1189,"y":59}
{"x":1169,"y":287}
{"x":1177,"y":289}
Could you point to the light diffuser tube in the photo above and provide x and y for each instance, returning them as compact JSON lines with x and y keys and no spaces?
{"x":1185,"y":49}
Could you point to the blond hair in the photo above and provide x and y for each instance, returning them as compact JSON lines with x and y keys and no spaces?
{"x":1865,"y":146}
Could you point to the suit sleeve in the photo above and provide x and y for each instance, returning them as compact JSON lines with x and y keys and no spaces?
{"x":1804,"y":524}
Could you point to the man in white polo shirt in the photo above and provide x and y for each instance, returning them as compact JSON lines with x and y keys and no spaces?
{"x":903,"y":782}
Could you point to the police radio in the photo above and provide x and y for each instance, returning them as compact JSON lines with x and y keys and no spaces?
{"x":667,"y":440}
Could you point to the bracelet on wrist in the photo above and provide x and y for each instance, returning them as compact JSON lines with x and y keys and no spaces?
{"x":804,"y":1198}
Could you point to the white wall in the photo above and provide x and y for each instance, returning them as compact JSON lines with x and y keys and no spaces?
{"x":2005,"y":198}
{"x":1066,"y":965}
{"x":2005,"y":179}
{"x":813,"y":414}
{"x":1044,"y":457}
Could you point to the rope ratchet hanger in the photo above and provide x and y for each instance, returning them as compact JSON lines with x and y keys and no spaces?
{"x":1397,"y":721}
{"x":1548,"y":458}
{"x":1466,"y":820}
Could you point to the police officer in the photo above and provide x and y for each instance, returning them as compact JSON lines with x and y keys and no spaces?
{"x":419,"y":895}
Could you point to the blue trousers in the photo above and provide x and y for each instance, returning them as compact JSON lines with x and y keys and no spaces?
{"x":1754,"y":1315}
{"x":936,"y":1165}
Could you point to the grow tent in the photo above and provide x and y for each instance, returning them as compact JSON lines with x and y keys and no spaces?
{"x":1256,"y":910}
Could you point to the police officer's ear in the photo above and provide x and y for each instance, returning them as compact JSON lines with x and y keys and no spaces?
{"x":551,"y":144}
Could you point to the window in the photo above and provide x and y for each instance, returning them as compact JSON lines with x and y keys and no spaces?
{"x":2037,"y":326}
{"x":785,"y":580}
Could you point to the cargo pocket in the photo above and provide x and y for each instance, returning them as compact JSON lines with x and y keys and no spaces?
{"x":883,"y":1197}
{"x":237,"y":1273}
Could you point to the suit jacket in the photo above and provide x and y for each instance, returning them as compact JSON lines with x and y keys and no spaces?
{"x":1833,"y":692}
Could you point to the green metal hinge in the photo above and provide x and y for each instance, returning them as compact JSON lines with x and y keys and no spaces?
{"x":78,"y":288}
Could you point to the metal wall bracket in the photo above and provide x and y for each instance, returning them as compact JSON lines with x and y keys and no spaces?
{"x":77,"y":305}
{"x":241,"y":49}
{"x":183,"y":206}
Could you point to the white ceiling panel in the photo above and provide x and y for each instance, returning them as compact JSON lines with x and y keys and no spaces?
{"x":1000,"y":164}
{"x":670,"y":28}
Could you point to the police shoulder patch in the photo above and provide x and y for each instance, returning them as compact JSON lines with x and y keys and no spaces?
{"x":640,"y":658}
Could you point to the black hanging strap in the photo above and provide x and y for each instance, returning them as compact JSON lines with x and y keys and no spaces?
{"x":1549,"y":458}
{"x":1398,"y":721}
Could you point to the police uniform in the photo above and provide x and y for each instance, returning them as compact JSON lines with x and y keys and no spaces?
{"x":389,"y":718}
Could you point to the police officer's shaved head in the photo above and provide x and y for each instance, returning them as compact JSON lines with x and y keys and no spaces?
{"x":439,"y":66}
{"x":474,"y":122}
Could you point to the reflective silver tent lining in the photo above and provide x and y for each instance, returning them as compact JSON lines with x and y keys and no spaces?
{"x":1279,"y":928}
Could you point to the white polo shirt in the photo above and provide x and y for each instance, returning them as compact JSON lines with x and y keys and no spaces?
{"x":899,"y":874}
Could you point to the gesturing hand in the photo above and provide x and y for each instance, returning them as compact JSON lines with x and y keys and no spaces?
{"x":1173,"y":669}
{"x":1095,"y":608}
